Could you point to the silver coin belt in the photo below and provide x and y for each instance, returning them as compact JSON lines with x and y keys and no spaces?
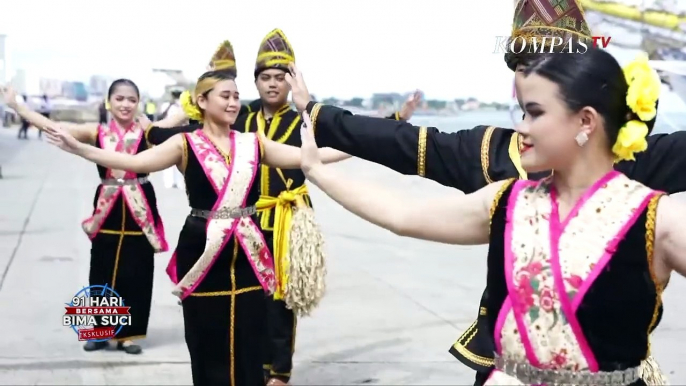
{"x":224,"y":214}
{"x":124,"y":181}
{"x":531,"y":375}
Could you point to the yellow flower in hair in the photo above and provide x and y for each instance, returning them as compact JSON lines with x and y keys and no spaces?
{"x":637,"y":66}
{"x":644,"y":88}
{"x":189,"y":107}
{"x":107,"y":105}
{"x":631,"y":139}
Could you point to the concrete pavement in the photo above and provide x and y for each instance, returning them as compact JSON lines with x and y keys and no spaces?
{"x":393,"y":308}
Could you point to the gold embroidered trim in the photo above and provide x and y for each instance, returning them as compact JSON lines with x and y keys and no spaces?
{"x":421,"y":152}
{"x":184,"y":154}
{"x":232,"y":353}
{"x":227,"y":293}
{"x":485,"y":159}
{"x":461,"y":348}
{"x":147,"y":132}
{"x":313,"y":116}
{"x":289,"y":131}
{"x":497,"y":198}
{"x":265,"y":171}
{"x":121,"y":233}
{"x":482,"y":311}
{"x":651,"y":215}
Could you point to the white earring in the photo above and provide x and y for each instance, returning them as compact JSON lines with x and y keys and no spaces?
{"x":581,"y":138}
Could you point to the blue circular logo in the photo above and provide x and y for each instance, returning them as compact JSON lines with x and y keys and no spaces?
{"x":83,"y":297}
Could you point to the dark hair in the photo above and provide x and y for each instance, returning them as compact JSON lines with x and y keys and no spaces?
{"x":592,"y":79}
{"x":122,"y":82}
{"x":262,"y":69}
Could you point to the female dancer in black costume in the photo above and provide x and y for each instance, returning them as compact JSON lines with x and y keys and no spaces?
{"x":125,"y":228}
{"x":221,"y":250}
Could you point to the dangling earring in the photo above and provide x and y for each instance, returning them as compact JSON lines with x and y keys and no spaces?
{"x":581,"y":138}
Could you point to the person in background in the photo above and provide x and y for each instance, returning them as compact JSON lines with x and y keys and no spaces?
{"x":24,"y":126}
{"x":102,"y":112}
{"x":45,"y":108}
{"x":172,"y":176}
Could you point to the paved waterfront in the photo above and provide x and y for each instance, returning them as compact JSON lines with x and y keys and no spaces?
{"x":393,"y":308}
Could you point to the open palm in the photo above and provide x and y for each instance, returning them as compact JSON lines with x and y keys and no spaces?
{"x":309,"y":153}
{"x":61,"y":138}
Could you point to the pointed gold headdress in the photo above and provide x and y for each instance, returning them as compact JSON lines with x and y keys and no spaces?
{"x":224,"y":59}
{"x":535,"y":19}
{"x":275,"y":52}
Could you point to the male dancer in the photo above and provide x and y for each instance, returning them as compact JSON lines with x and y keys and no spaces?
{"x":470,"y":159}
{"x":279,"y":188}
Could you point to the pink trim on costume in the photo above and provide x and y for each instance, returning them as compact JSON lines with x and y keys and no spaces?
{"x":500,"y":323}
{"x":585,"y":197}
{"x":159,"y":228}
{"x":265,"y":253}
{"x":557,"y":228}
{"x":107,"y":214}
{"x":171,"y":269}
{"x":565,"y":302}
{"x":213,"y":149}
{"x":509,"y":268}
{"x":228,"y":232}
{"x":609,"y":252}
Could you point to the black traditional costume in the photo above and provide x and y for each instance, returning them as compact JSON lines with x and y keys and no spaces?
{"x":126,"y":229}
{"x":469,"y":160}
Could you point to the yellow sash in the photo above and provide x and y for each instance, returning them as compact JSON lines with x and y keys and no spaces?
{"x":283,"y":214}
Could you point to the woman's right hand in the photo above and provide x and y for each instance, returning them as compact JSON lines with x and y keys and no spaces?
{"x":62,"y":139}
{"x":299,"y":93}
{"x":9,"y":96}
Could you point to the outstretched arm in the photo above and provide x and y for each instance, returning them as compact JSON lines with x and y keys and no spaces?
{"x":458,"y":219}
{"x":85,"y":133}
{"x":279,"y":155}
{"x":451,"y":159}
{"x":158,"y":158}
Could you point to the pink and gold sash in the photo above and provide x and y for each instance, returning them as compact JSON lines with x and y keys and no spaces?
{"x":232,"y":183}
{"x":546,"y":278}
{"x":112,"y":138}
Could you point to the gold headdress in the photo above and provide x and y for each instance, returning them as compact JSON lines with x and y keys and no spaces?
{"x":535,"y":19}
{"x":224,"y":59}
{"x":275,"y":52}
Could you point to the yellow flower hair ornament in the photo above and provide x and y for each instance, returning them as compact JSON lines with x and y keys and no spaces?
{"x":642,"y":95}
{"x":631,"y":139}
{"x":189,"y":107}
{"x":644,"y":88}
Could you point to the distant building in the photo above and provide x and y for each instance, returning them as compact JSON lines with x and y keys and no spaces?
{"x":50,"y":87}
{"x":19,"y":81}
{"x":98,"y":85}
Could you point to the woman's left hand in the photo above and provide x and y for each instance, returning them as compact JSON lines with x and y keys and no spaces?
{"x":62,"y":139}
{"x":309,"y":153}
